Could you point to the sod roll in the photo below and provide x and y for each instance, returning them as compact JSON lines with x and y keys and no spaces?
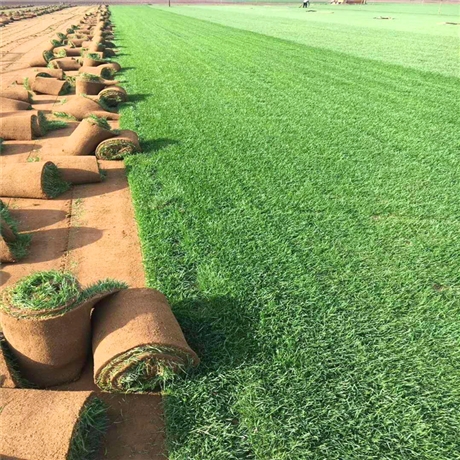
{"x":78,"y":169}
{"x":16,"y":92}
{"x":31,"y":180}
{"x":116,"y":148}
{"x":68,"y":51}
{"x":86,"y":137}
{"x":19,"y":126}
{"x":81,"y":107}
{"x":103,"y":71}
{"x":12,"y":105}
{"x":66,"y":64}
{"x":113,"y":95}
{"x":48,"y":85}
{"x":13,"y":246}
{"x":46,"y":320}
{"x":137,"y":342}
{"x":41,"y":57}
{"x":50,"y":425}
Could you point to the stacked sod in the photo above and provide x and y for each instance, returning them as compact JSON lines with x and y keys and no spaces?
{"x":46,"y":320}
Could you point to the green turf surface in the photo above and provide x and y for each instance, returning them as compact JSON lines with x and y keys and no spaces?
{"x":299,"y":207}
{"x":416,"y":37}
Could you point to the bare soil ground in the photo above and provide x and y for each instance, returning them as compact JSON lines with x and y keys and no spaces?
{"x":90,"y":230}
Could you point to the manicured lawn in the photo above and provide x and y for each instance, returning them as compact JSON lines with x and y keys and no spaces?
{"x":300,"y":208}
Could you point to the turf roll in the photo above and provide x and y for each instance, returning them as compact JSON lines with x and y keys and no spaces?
{"x":113,"y":95}
{"x":51,"y":425}
{"x":46,"y":320}
{"x":66,"y":64}
{"x":91,"y":84}
{"x":31,"y":180}
{"x":103,"y":71}
{"x":41,"y":58}
{"x":78,"y":169}
{"x":88,"y":135}
{"x":49,"y":85}
{"x":69,"y":51}
{"x":137,"y":342}
{"x":13,"y":245}
{"x":19,"y":126}
{"x":116,"y":148}
{"x":12,"y":105}
{"x":81,"y":107}
{"x":16,"y":92}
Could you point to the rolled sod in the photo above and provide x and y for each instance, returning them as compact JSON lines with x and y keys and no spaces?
{"x":67,"y":63}
{"x":12,"y":105}
{"x":55,"y":73}
{"x":41,"y":57}
{"x":103,"y":71}
{"x":116,"y":148}
{"x":78,"y":169}
{"x":16,"y":92}
{"x":13,"y":245}
{"x":46,"y":320}
{"x":69,"y":51}
{"x":113,"y":95}
{"x":91,"y":84}
{"x":51,"y":425}
{"x":137,"y":342}
{"x":81,"y":107}
{"x":31,"y":180}
{"x":88,"y":135}
{"x":76,"y":42}
{"x":48,"y":85}
{"x":19,"y":126}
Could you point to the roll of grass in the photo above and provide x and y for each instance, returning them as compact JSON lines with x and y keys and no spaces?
{"x":17,"y":92}
{"x":10,"y":376}
{"x":88,"y":135}
{"x":46,"y":320}
{"x":81,"y":107}
{"x":90,"y":84}
{"x":117,"y":148}
{"x":65,"y":63}
{"x":13,"y":245}
{"x":78,"y":169}
{"x":138,"y":344}
{"x":31,"y":180}
{"x":47,"y":85}
{"x":42,"y":57}
{"x":104,"y":71}
{"x":19,"y":126}
{"x":113,"y":96}
{"x":67,"y":51}
{"x":12,"y":105}
{"x":58,"y":425}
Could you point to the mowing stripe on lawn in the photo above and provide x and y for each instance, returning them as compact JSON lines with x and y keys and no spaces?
{"x":299,"y":208}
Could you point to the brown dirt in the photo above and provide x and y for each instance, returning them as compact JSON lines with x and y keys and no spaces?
{"x":38,"y":424}
{"x":132,"y":318}
{"x":78,"y":232}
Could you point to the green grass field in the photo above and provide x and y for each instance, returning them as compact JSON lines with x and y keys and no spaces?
{"x":298,"y":203}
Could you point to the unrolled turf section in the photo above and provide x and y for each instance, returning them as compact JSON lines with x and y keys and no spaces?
{"x":299,"y":207}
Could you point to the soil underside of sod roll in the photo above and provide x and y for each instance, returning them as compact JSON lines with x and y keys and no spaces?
{"x":50,"y":425}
